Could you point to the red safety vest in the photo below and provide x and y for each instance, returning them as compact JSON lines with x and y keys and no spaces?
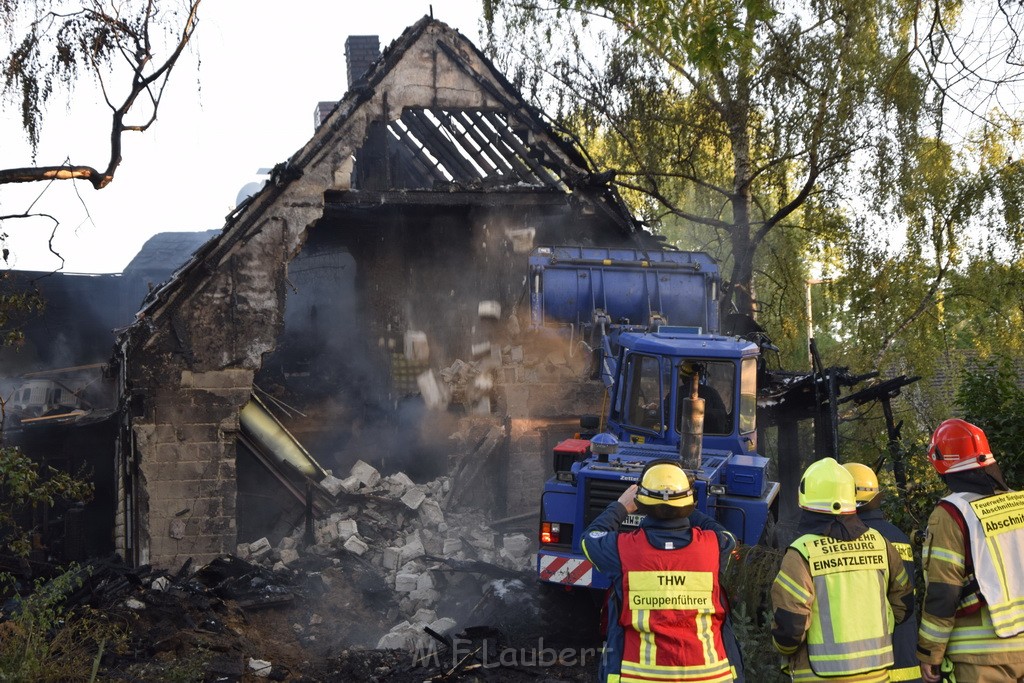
{"x":672,"y":611}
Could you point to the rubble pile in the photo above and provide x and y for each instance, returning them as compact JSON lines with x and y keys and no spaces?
{"x":318,"y":620}
{"x":395,"y":581}
{"x":189,"y":624}
{"x":410,"y":535}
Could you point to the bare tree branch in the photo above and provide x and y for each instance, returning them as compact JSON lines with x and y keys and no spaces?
{"x":135,"y":46}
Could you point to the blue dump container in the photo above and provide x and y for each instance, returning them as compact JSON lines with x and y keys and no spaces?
{"x":570,"y":283}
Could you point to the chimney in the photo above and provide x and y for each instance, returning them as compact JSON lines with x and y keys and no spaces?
{"x":322,"y":111}
{"x":360,"y":53}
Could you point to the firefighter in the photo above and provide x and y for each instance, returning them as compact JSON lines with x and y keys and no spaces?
{"x":972,"y":621}
{"x":667,"y":611}
{"x":841,"y":589}
{"x":869,"y":503}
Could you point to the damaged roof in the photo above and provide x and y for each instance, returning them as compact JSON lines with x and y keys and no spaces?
{"x":487,"y":142}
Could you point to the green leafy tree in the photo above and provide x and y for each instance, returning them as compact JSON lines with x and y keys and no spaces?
{"x":14,"y":305}
{"x":992,"y":398}
{"x":949,"y":292}
{"x":744,"y":118}
{"x":795,"y":142}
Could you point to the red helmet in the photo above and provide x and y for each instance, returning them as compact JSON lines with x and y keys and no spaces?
{"x":958,"y":445}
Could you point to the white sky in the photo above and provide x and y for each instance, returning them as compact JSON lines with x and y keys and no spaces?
{"x":248,"y":105}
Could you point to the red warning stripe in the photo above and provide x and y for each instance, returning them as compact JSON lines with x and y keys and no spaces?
{"x":556,"y":563}
{"x":579,"y":572}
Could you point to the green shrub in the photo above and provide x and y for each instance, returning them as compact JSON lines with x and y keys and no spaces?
{"x":748,"y":584}
{"x":25,"y":485}
{"x":43,"y":641}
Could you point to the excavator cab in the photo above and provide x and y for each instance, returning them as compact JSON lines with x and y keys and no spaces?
{"x":657,"y":372}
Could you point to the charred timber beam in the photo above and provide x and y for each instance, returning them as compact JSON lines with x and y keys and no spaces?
{"x":531,"y":117}
{"x":417,"y":149}
{"x":414,"y":163}
{"x":612,"y":206}
{"x":264,"y":601}
{"x":524,"y":155}
{"x":433,"y":139}
{"x":459,"y":143}
{"x":790,"y":470}
{"x":474,"y":465}
{"x":338,"y":200}
{"x":473,"y":147}
{"x":491,"y":141}
{"x":890,"y":388}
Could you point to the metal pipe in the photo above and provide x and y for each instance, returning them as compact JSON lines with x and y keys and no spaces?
{"x":264,"y":430}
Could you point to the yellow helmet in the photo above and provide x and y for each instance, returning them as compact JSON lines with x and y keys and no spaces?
{"x":665,"y":483}
{"x":827,"y":487}
{"x":865,"y":480}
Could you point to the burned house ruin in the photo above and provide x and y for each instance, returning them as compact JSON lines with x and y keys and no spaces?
{"x":377,"y":278}
{"x":59,"y":403}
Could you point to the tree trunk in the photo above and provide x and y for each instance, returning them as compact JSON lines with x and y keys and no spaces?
{"x":741,"y":280}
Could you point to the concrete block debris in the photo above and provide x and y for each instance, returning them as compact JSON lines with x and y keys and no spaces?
{"x":416,"y":346}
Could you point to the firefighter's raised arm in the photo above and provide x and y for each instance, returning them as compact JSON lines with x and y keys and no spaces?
{"x":628,"y":499}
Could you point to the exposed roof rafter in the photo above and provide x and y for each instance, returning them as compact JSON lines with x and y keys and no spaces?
{"x":466,"y":148}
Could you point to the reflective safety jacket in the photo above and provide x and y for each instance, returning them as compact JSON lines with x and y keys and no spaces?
{"x":671,"y":538}
{"x":672,"y":611}
{"x":995,"y":526}
{"x":956,"y":621}
{"x":836,"y":604}
{"x":904,"y":639}
{"x":848,"y":573}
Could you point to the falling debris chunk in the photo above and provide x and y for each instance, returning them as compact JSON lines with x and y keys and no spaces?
{"x":522,"y":239}
{"x":434,"y":394}
{"x":332,"y":484}
{"x":489,"y":309}
{"x":177,"y":529}
{"x":413,"y":498}
{"x":347,"y":528}
{"x":517,"y":545}
{"x":259,"y":549}
{"x":367,"y":475}
{"x":356,"y":545}
{"x":416,"y":348}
